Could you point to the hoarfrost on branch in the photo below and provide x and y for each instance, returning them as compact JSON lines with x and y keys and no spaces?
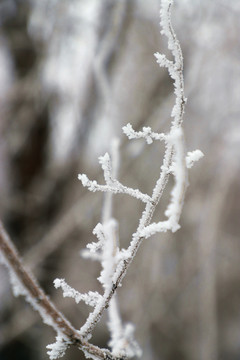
{"x":115,"y":261}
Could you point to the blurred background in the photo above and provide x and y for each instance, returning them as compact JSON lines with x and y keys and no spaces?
{"x":72,"y":73}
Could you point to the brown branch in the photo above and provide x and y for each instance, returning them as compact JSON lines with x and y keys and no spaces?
{"x":41,"y":303}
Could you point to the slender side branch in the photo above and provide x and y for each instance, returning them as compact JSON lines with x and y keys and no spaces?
{"x":112,"y":185}
{"x":146,"y":134}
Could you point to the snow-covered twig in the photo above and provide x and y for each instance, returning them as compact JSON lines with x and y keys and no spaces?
{"x":146,"y":134}
{"x":178,"y":169}
{"x":91,"y":298}
{"x":106,"y":250}
{"x":171,"y":154}
{"x":112,"y":185}
{"x":122,"y":340}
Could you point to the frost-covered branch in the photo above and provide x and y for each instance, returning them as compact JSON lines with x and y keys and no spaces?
{"x":106,"y":250}
{"x":115,"y":262}
{"x":174,"y":162}
{"x":178,"y":169}
{"x":146,"y":134}
{"x":91,"y":298}
{"x":175,"y":68}
{"x":114,"y":323}
{"x":112,"y":185}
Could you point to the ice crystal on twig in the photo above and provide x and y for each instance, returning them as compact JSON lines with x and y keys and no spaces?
{"x":112,"y":185}
{"x":146,"y":134}
{"x":58,"y":348}
{"x":192,"y":157}
{"x":91,"y":298}
{"x":124,"y":344}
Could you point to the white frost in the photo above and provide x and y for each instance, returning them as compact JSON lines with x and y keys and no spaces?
{"x":58,"y":348}
{"x":124,"y":344}
{"x":91,"y":298}
{"x":174,"y":208}
{"x":108,"y":255}
{"x":146,"y":134}
{"x":113,"y":186}
{"x":192,"y":157}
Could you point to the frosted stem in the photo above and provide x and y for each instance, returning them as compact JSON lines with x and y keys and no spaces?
{"x":107,"y":204}
{"x":114,"y":187}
